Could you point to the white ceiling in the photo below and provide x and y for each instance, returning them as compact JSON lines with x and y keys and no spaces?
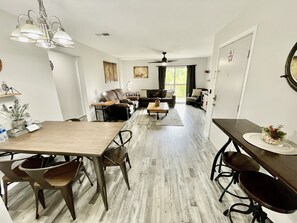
{"x":141,"y":29}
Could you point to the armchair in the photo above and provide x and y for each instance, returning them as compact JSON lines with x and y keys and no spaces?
{"x":196,"y":98}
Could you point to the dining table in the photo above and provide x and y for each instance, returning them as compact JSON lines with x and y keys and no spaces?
{"x":281,"y":166}
{"x":86,"y":139}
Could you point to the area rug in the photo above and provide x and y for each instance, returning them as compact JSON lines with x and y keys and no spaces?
{"x":172,"y":118}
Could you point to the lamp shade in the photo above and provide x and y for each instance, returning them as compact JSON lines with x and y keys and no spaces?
{"x":45,"y":44}
{"x":61,"y":37}
{"x":16,"y":36}
{"x":29,"y":30}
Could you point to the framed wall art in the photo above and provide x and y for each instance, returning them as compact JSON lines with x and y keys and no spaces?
{"x":140,"y":71}
{"x":110,"y":71}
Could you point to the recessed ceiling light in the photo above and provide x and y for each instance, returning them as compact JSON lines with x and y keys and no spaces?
{"x":102,"y":34}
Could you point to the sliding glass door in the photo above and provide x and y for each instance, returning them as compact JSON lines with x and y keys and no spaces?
{"x":176,"y":79}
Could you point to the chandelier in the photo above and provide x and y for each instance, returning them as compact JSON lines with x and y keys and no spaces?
{"x":44,"y":32}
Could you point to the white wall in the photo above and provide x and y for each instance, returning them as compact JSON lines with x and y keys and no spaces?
{"x":26,"y":68}
{"x":66,"y":80}
{"x":90,"y":63}
{"x":152,"y":81}
{"x":268,"y":98}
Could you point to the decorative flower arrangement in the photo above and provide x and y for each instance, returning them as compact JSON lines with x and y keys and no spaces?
{"x":273,"y":135}
{"x":16,"y":112}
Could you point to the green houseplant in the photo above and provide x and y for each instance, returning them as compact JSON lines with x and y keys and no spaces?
{"x":17,"y":112}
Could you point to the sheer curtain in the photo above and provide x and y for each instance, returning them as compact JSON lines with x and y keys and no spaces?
{"x":191,"y":79}
{"x":162,"y":75}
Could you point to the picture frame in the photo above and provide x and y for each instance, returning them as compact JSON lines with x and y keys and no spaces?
{"x":110,"y":71}
{"x":140,"y":71}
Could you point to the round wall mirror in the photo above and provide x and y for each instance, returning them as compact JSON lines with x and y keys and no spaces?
{"x":291,"y":68}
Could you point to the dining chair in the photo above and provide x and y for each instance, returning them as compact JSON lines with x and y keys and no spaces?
{"x":13,"y":174}
{"x":117,"y":155}
{"x":58,"y":177}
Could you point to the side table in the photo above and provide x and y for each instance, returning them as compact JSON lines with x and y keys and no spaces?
{"x":103,"y":106}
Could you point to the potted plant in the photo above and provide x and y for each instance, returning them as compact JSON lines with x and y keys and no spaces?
{"x":273,"y":135}
{"x":17,"y":113}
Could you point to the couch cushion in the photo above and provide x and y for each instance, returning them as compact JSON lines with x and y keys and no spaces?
{"x":109,"y":96}
{"x":196,"y":92}
{"x":169,"y":94}
{"x":164,"y":92}
{"x":155,"y":93}
{"x":143,"y":93}
{"x":120,"y":93}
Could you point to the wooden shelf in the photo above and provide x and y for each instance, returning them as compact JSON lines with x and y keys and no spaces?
{"x":9,"y":95}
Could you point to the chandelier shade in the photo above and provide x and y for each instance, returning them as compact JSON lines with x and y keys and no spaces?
{"x":16,"y":35}
{"x":44,"y":32}
{"x":30,"y":31}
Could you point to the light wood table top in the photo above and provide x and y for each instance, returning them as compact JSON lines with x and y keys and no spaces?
{"x":107,"y":103}
{"x":66,"y":138}
{"x":163,"y":107}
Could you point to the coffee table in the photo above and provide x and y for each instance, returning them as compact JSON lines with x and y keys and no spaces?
{"x":162,"y":108}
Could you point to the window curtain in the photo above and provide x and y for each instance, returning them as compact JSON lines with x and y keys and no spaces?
{"x":162,"y":75}
{"x":191,"y":80}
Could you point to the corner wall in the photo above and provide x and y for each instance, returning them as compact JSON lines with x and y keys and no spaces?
{"x":90,"y":64}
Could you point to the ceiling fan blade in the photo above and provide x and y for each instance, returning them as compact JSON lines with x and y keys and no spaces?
{"x":169,"y":61}
{"x":155,"y":62}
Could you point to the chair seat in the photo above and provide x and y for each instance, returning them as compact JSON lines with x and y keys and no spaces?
{"x":240,"y":162}
{"x":114,"y":156}
{"x":268,"y":192}
{"x":192,"y":99}
{"x":62,"y":176}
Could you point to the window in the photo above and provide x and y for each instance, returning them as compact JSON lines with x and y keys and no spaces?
{"x":176,"y":79}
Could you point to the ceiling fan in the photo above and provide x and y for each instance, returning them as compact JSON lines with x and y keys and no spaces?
{"x":164,"y":60}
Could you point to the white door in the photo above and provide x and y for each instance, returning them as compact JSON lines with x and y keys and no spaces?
{"x":232,"y":66}
{"x":66,"y":80}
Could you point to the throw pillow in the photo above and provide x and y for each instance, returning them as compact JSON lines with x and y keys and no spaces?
{"x":142,"y":93}
{"x":169,"y":94}
{"x":196,"y":92}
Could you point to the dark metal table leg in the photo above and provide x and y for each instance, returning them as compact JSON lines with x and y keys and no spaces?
{"x":96,"y":113}
{"x":98,"y":166}
{"x":216,"y":158}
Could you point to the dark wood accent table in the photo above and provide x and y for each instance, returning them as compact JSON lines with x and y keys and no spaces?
{"x":281,"y":166}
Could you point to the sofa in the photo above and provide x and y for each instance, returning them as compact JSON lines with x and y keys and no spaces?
{"x":124,"y":105}
{"x":150,"y":95}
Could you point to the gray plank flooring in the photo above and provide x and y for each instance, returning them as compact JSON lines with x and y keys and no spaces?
{"x":169,"y":182}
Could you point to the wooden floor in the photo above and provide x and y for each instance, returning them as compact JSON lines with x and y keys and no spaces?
{"x":169,"y":182}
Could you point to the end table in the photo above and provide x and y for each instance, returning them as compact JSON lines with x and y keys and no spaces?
{"x":103,"y":106}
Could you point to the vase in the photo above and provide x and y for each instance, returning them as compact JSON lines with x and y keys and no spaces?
{"x":18,"y":124}
{"x":157,"y":102}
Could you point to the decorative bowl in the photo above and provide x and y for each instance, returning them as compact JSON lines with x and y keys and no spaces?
{"x":268,"y":139}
